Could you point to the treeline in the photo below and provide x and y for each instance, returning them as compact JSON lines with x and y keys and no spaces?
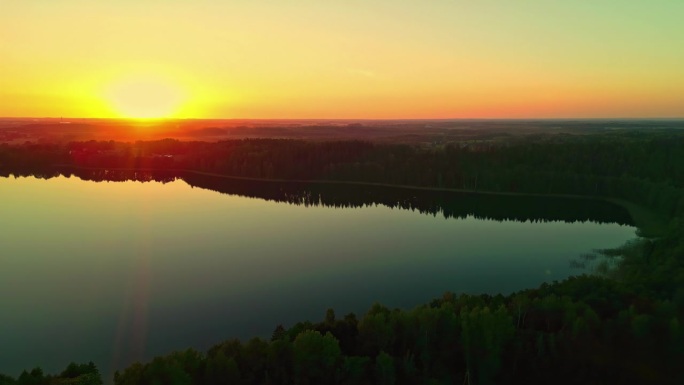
{"x":586,"y":330}
{"x":645,"y":169}
{"x":443,"y":203}
{"x":74,"y":374}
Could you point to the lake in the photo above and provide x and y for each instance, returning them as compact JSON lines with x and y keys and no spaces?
{"x":106,"y":268}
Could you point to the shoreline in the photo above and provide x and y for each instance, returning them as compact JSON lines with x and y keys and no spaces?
{"x":649,"y":223}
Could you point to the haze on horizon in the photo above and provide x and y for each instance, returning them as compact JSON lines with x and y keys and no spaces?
{"x":356,"y":59}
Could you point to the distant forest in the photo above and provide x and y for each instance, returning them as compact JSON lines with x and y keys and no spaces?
{"x":622,"y":326}
{"x":643,"y":168}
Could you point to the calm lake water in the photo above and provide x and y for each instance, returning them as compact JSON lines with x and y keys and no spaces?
{"x":115,"y":272}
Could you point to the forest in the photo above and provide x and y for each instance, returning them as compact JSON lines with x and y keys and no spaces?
{"x":621,"y":326}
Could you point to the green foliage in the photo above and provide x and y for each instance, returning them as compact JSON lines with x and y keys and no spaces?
{"x":74,"y":374}
{"x":222,"y":370}
{"x":375,"y":330}
{"x":356,"y":370}
{"x":6,"y":380}
{"x":622,"y":327}
{"x":79,"y":374}
{"x":485,"y":334}
{"x":384,"y":369}
{"x":316,"y":358}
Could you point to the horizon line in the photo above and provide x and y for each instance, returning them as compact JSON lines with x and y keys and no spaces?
{"x":345,"y":119}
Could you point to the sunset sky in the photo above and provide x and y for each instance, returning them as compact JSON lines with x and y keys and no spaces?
{"x":342,"y":59}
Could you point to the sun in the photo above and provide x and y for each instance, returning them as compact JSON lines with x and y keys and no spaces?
{"x":145,"y":98}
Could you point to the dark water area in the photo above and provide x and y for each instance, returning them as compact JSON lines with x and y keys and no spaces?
{"x":99,"y":266}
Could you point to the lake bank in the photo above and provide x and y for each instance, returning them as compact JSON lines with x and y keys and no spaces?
{"x":650,"y":223}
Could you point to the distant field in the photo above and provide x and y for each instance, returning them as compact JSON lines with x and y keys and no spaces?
{"x":425,"y":132}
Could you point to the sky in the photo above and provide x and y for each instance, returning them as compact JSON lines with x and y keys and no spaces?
{"x":365,"y":59}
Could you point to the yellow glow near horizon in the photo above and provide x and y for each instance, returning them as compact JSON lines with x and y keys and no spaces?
{"x":364,"y":59}
{"x":145,"y":98}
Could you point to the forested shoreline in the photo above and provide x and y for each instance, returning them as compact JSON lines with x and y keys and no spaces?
{"x":431,"y":201}
{"x":624,"y":327}
{"x":641,"y":168}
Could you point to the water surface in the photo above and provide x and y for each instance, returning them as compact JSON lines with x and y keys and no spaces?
{"x":119,"y":271}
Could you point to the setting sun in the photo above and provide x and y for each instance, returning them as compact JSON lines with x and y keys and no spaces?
{"x":341,"y":192}
{"x":380,"y":59}
{"x":145,"y":98}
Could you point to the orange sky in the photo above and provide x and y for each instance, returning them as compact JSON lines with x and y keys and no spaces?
{"x":351,"y":59}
